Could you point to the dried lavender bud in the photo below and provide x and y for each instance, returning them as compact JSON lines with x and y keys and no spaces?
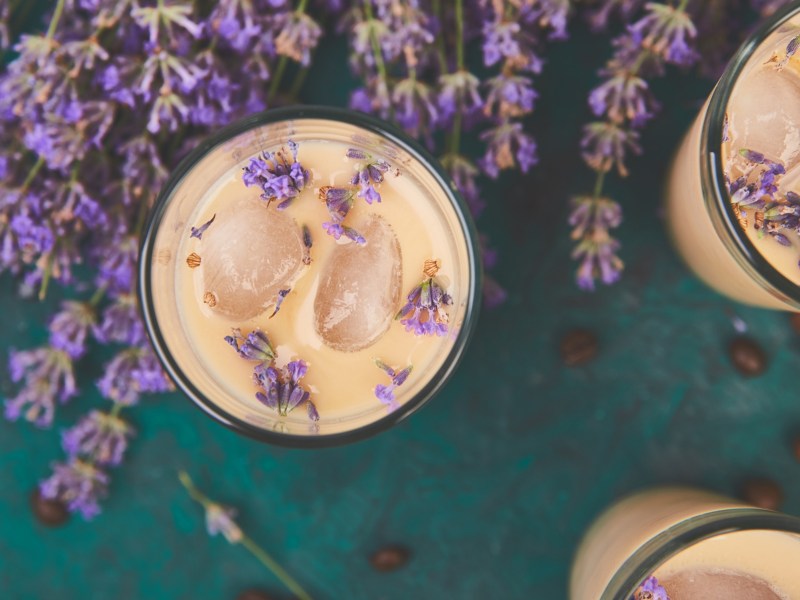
{"x":762,"y":493}
{"x":49,"y":512}
{"x":390,"y":558}
{"x":747,"y":356}
{"x":578,"y":347}
{"x":650,"y":590}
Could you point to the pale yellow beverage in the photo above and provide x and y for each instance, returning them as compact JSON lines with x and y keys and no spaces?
{"x":696,"y":544}
{"x":229,"y":263}
{"x":753,"y":111}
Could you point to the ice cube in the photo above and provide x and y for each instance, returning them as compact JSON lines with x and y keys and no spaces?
{"x":717,"y":585}
{"x":249,"y":253}
{"x":764,"y":114}
{"x":359,"y":289}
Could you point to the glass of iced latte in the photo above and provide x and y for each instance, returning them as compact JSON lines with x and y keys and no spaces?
{"x":309,"y":276}
{"x":734,"y":189}
{"x":687,"y":544}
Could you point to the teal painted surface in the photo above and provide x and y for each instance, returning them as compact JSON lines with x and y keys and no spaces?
{"x":492,"y":484}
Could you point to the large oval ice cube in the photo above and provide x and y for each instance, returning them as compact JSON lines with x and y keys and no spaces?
{"x":249,"y":253}
{"x":359,"y":289}
{"x":764,"y":114}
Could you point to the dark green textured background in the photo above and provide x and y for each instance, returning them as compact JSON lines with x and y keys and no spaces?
{"x":492,"y":484}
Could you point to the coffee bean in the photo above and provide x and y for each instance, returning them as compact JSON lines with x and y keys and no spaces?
{"x":747,"y":356}
{"x":763,"y":493}
{"x":794,"y":319}
{"x":255,"y":594}
{"x":796,"y":447}
{"x":578,"y":347}
{"x":48,"y":512}
{"x":389,"y":558}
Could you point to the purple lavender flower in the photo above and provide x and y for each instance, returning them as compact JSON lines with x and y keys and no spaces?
{"x":197,"y":232}
{"x":510,"y":41}
{"x":599,"y":16}
{"x":458,"y":94}
{"x":133,"y":372}
{"x":220,"y":520}
{"x":624,"y":97}
{"x":48,"y":379}
{"x":385,"y":393}
{"x":507,"y":146}
{"x":650,"y":590}
{"x":118,"y":264}
{"x":282,"y":390}
{"x":298,"y":36}
{"x":256,"y":346}
{"x":120,"y":323}
{"x":424,"y":312}
{"x":337,"y":230}
{"x":591,"y":219}
{"x":368,"y":176}
{"x":604,"y":145}
{"x":279,"y":300}
{"x":279,"y":179}
{"x":78,"y":484}
{"x":666,"y":31}
{"x":68,"y":328}
{"x":415,"y":107}
{"x":339,"y":201}
{"x":509,"y":96}
{"x":100,"y":437}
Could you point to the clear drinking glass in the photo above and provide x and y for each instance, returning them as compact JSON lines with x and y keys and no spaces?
{"x":636,"y":536}
{"x":702,"y":220}
{"x":176,"y":209}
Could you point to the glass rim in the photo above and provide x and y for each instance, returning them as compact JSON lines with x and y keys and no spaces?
{"x":373,"y":125}
{"x":715,"y":193}
{"x":668,"y":543}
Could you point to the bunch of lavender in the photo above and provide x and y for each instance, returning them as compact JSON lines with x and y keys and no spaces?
{"x":663,"y":35}
{"x":414,"y":73}
{"x":93,"y":113}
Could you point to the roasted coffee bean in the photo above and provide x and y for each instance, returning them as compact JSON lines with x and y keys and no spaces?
{"x":578,"y":347}
{"x":796,"y":447}
{"x":763,"y":493}
{"x":747,"y":356}
{"x":48,"y":512}
{"x":389,"y":558}
{"x":255,"y":594}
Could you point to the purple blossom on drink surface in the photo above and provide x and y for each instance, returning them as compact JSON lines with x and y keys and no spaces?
{"x":282,"y":391}
{"x":48,"y":379}
{"x":791,"y":50}
{"x":100,"y":437}
{"x":256,"y":347}
{"x":279,"y":300}
{"x":386,"y":393}
{"x":339,"y":201}
{"x":308,"y":242}
{"x":70,"y":326}
{"x":77,"y":483}
{"x":424,"y":312}
{"x":369,"y":174}
{"x":279,"y":179}
{"x":650,"y":590}
{"x":197,"y":232}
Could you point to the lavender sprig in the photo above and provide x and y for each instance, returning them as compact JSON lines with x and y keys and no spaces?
{"x":221,"y":520}
{"x":279,"y":179}
{"x":664,"y":35}
{"x":424,"y":312}
{"x":385,"y":393}
{"x":339,"y":201}
{"x":369,"y":174}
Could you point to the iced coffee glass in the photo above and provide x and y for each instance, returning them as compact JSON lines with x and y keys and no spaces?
{"x":309,"y":276}
{"x":687,"y":544}
{"x":733,"y":203}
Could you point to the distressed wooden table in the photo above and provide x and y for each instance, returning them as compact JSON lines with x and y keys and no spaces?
{"x":492,"y":484}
